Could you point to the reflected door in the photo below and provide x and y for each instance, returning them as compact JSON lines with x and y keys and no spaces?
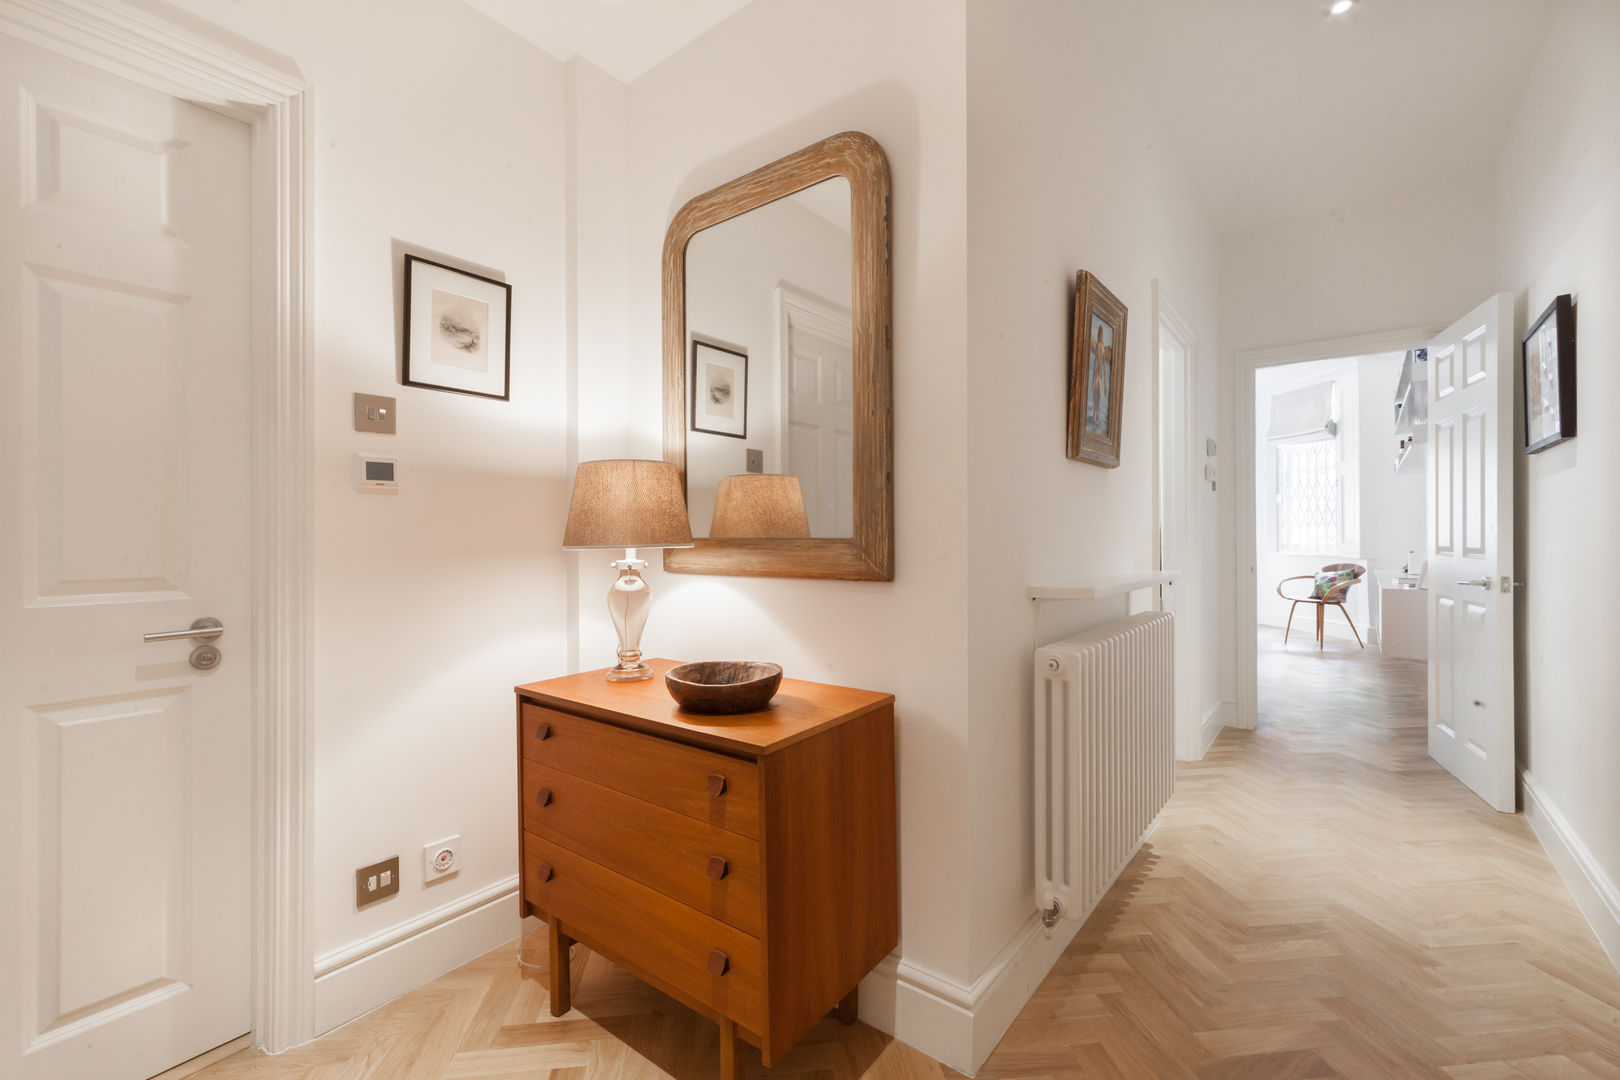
{"x":821,"y":416}
{"x":124,"y":471}
{"x":1470,"y":575}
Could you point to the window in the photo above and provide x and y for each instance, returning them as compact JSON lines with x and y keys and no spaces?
{"x":1308,"y":496}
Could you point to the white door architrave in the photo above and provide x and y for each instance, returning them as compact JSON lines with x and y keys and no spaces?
{"x":137,"y":45}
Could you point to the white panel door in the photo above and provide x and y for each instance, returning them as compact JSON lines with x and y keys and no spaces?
{"x":124,"y":468}
{"x":1470,"y":580}
{"x":821,"y":425}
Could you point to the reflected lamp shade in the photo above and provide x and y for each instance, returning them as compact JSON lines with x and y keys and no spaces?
{"x":623,"y":503}
{"x":759,"y":506}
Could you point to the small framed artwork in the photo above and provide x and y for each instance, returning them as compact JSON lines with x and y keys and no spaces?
{"x":458,"y":330}
{"x":1096,"y":373}
{"x":1547,"y":353}
{"x":719,"y":390}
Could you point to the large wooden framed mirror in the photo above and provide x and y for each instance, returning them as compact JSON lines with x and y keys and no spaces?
{"x":777,"y":360}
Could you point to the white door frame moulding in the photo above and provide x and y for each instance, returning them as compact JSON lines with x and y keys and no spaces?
{"x":1185,"y":596}
{"x":134,"y":44}
{"x":1246,"y":363}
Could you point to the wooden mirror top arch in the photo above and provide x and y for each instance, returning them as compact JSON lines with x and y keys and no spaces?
{"x":868,"y":555}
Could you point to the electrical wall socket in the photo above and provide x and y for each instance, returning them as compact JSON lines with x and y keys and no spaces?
{"x":441,"y":859}
{"x":377,"y":881}
{"x":756,"y":461}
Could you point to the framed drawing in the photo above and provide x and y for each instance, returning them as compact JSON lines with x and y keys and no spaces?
{"x":1547,"y":355}
{"x":458,"y":330}
{"x":719,"y":390}
{"x":1096,"y":373}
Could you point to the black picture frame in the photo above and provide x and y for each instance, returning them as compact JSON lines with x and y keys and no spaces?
{"x":428,"y":375}
{"x":698,"y":386}
{"x":1548,"y":413}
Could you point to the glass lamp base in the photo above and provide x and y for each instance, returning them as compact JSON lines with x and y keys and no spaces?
{"x":628,"y":602}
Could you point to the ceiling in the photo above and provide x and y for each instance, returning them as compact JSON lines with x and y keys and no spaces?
{"x":1278,"y":110}
{"x":622,"y":37}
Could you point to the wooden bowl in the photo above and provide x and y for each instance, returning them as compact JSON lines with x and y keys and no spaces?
{"x":723,"y":686}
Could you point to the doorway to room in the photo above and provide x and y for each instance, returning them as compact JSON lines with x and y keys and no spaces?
{"x":1339,"y":451}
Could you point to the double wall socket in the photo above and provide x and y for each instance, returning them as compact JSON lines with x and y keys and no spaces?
{"x":377,"y":881}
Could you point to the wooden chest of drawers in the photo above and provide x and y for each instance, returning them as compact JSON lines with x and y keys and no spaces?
{"x":744,"y":865}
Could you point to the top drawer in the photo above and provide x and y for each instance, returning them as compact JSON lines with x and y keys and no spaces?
{"x":721,"y":790}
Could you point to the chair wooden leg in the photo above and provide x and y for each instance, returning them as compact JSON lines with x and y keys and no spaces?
{"x":1290,"y":625}
{"x":1319,"y":626}
{"x":1352,"y":622}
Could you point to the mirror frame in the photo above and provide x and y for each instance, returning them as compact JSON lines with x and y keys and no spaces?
{"x":868,"y":555}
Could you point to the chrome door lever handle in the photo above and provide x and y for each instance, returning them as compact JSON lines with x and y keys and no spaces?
{"x":1478,"y":583}
{"x":204,"y":629}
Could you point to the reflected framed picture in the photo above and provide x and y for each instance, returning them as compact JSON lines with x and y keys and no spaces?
{"x":458,"y":330}
{"x":1096,"y":373}
{"x":719,"y":390}
{"x":1547,"y":356}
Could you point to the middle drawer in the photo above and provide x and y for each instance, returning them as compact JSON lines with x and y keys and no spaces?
{"x":701,"y":865}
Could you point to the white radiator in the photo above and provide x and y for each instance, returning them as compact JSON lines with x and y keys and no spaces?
{"x":1105,"y":761}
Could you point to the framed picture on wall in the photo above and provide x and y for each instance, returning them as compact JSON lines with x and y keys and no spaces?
{"x":458,"y":330}
{"x":719,"y":390}
{"x":1547,"y":353}
{"x":1096,"y":373}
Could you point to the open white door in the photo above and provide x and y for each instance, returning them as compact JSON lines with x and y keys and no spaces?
{"x":1470,"y":549}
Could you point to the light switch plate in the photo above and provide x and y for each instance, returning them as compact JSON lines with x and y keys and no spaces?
{"x":1209,"y":447}
{"x":374,"y":413}
{"x":377,"y":881}
{"x":756,"y":461}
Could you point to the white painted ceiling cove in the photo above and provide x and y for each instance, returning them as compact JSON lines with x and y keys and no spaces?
{"x":1278,"y":109}
{"x":622,"y":37}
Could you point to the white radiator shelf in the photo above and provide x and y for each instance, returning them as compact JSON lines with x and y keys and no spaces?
{"x":1100,"y":588}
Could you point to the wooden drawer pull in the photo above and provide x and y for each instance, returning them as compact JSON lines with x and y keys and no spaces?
{"x":717,"y":785}
{"x":719,"y":963}
{"x":543,"y":797}
{"x":542,"y":732}
{"x":546,"y":872}
{"x":718,"y":867}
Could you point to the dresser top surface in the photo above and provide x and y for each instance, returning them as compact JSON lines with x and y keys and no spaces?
{"x":798,"y":710}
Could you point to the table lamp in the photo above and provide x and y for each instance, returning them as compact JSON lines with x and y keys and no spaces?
{"x":627,"y":504}
{"x":759,"y":506}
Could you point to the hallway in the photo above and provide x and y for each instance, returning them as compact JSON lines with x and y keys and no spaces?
{"x":1320,"y":900}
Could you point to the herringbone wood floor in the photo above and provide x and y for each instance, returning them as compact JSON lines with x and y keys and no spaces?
{"x":1320,"y":900}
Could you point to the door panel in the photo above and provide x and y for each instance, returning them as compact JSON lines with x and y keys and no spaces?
{"x":124,"y":461}
{"x":1470,"y":549}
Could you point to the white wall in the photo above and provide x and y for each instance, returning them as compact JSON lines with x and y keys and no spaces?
{"x":1055,"y":188}
{"x":689,"y":129}
{"x":1558,"y":216}
{"x":434,"y":128}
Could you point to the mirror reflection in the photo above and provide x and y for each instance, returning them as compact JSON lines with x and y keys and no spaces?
{"x":769,"y":362}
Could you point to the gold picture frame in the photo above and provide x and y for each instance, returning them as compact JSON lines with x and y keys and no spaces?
{"x":1096,"y":373}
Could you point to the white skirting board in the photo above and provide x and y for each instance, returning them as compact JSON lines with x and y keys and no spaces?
{"x":1221,"y":714}
{"x":959,"y":1024}
{"x":357,"y":978}
{"x":1594,"y":891}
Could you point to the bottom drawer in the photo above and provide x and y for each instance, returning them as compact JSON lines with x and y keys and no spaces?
{"x":653,"y":934}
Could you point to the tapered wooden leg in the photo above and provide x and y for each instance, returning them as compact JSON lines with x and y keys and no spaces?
{"x":1352,"y":622}
{"x":731,"y":1066}
{"x":560,"y":986}
{"x":1290,"y":625}
{"x":850,"y":1007}
{"x":1319,"y":622}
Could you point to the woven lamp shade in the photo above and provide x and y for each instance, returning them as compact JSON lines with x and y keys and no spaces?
{"x":627,"y":504}
{"x":756,"y":506}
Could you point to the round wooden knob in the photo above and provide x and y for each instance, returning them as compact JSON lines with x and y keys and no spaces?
{"x":544,"y":798}
{"x":719,"y":963}
{"x":545,"y":871}
{"x":717,"y":785}
{"x":543,"y":732}
{"x":718,"y":867}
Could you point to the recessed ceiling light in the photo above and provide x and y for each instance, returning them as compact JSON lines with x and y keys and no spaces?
{"x":1341,"y":6}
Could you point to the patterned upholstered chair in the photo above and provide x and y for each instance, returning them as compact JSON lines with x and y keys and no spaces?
{"x":1329,"y":586}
